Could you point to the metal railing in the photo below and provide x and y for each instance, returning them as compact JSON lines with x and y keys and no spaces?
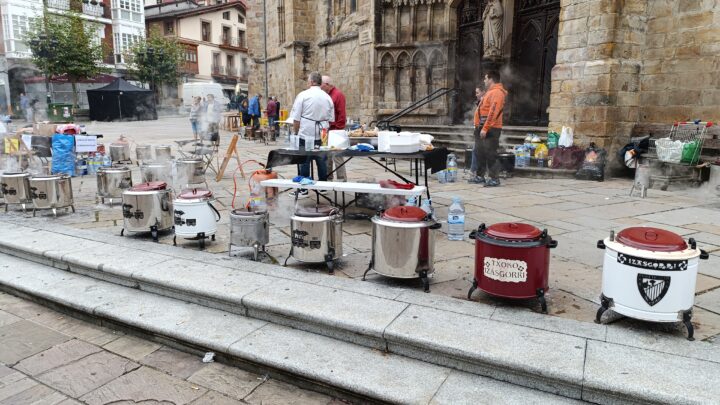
{"x":235,"y":42}
{"x":59,"y":4}
{"x":231,"y":71}
{"x":217,"y":70}
{"x":385,"y":122}
{"x":93,"y":10}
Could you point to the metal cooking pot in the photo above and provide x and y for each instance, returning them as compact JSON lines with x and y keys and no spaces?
{"x":249,"y":229}
{"x":15,"y":189}
{"x":195,"y":216}
{"x":650,"y":274}
{"x":143,"y":153}
{"x":512,"y":260}
{"x":120,"y":152}
{"x":147,"y":207}
{"x":316,"y":235}
{"x":163,"y":153}
{"x":506,"y":162}
{"x":156,"y":172}
{"x":192,"y":170}
{"x":51,"y":192}
{"x":403,"y":244}
{"x":112,"y":181}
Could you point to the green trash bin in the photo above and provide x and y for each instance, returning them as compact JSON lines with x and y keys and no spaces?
{"x":60,"y":112}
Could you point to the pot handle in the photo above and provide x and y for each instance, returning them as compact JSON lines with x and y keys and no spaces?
{"x":704,"y":255}
{"x":436,"y":225}
{"x":601,"y":244}
{"x":216,"y":211}
{"x":552,"y":244}
{"x":473,"y":234}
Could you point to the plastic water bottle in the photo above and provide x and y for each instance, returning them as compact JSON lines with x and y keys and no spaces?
{"x":451,"y":168}
{"x":456,"y":220}
{"x":411,"y":201}
{"x":427,"y":207}
{"x":92,"y":164}
{"x":106,"y":161}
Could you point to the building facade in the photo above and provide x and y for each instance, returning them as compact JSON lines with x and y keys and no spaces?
{"x":214,"y":36}
{"x":607,"y":68}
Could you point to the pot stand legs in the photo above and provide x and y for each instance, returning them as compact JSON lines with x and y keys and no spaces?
{"x":687,"y":316}
{"x":367,"y":270}
{"x":425,"y":281}
{"x":473,"y":287}
{"x":154,"y":233}
{"x":200,"y":237}
{"x":604,"y":306}
{"x":541,"y":298}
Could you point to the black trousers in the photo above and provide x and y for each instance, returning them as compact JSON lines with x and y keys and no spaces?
{"x":486,"y":152}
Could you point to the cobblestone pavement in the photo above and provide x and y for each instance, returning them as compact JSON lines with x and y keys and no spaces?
{"x":576,"y":213}
{"x":50,"y":358}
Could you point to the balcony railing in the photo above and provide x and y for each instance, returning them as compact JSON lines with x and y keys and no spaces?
{"x":93,"y":10}
{"x":217,"y":70}
{"x":59,"y":4}
{"x":233,"y":42}
{"x":231,"y":71}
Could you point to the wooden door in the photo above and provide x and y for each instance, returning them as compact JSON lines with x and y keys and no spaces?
{"x":534,"y":52}
{"x":469,"y":54}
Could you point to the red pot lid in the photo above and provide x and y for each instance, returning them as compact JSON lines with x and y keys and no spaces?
{"x":405,"y":214}
{"x":195,"y":193}
{"x":513,"y":231}
{"x":151,"y":186}
{"x":315,"y":212}
{"x":654,"y":239}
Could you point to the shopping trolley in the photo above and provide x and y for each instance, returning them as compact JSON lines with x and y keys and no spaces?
{"x":678,"y":154}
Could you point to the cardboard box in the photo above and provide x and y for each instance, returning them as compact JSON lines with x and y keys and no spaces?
{"x":44,"y":128}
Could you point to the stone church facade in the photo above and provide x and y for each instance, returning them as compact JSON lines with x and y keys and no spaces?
{"x":605,"y":67}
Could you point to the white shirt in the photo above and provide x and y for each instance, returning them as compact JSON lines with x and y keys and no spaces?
{"x":310,"y":107}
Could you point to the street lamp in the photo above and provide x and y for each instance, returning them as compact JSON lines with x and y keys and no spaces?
{"x":44,"y":48}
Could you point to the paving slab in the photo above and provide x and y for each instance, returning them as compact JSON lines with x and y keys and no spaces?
{"x":636,"y":335}
{"x":361,"y":370}
{"x":464,"y":388}
{"x":505,"y":352}
{"x":131,"y":347}
{"x":440,"y":302}
{"x":685,"y":216}
{"x":56,"y":356}
{"x":37,"y":395}
{"x":13,"y":384}
{"x":216,"y":398}
{"x":524,"y":317}
{"x":332,"y":312}
{"x":174,"y":362}
{"x":633,"y":374}
{"x":274,"y":392}
{"x":24,"y":338}
{"x":79,"y":378}
{"x":76,"y":328}
{"x":709,"y":301}
{"x":144,"y":385}
{"x":7,"y":318}
{"x":230,"y":381}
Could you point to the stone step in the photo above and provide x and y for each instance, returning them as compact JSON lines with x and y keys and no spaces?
{"x":585,"y":361}
{"x":276,"y":350}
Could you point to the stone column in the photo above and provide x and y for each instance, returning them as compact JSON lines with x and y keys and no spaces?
{"x":596,"y":81}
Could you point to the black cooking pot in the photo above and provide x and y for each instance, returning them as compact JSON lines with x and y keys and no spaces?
{"x":506,"y":161}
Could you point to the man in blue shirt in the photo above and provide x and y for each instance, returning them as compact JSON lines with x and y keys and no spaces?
{"x":254,"y":111}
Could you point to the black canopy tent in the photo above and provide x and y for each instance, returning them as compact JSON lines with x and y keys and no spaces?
{"x":121,"y":100}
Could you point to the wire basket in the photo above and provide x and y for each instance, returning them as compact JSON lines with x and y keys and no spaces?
{"x":668,"y":150}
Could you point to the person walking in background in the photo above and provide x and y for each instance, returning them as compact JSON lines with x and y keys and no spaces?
{"x":244,"y":112}
{"x":338,"y":99}
{"x":479,"y":93}
{"x":272,"y":114}
{"x":30,"y":112}
{"x":213,"y":115}
{"x":488,"y":125}
{"x":254,"y":110}
{"x":195,"y":110}
{"x":24,"y":104}
{"x":311,"y":112}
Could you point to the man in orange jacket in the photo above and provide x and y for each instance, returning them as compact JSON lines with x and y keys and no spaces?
{"x":488,"y":125}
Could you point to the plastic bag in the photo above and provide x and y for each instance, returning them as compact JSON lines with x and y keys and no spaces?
{"x":63,"y":151}
{"x":541,"y":151}
{"x":690,"y":152}
{"x":593,"y":165}
{"x":552,"y":140}
{"x":566,"y":137}
{"x":567,"y":158}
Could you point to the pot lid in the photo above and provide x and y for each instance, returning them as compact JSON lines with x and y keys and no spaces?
{"x":195,"y":193}
{"x":513,"y":231}
{"x":654,"y":239}
{"x":151,"y":186}
{"x":405,"y":214}
{"x":315,"y":212}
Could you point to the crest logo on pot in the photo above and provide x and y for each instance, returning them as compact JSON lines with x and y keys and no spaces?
{"x":652,"y":288}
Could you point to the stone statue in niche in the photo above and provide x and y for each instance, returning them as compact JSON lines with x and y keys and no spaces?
{"x":493,"y":29}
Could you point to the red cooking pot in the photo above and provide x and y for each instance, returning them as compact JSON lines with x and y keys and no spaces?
{"x":512,"y":260}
